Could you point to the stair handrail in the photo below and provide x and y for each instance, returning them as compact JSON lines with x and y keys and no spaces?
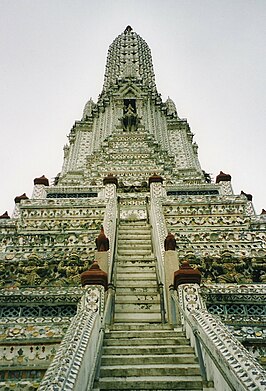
{"x":157,"y":236}
{"x":113,"y":257}
{"x":161,"y":292}
{"x":77,"y":348}
{"x":109,"y":309}
{"x":157,"y":240}
{"x":227,"y":359}
{"x":110,"y":300}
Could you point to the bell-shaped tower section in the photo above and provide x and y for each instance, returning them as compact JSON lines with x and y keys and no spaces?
{"x":129,"y":59}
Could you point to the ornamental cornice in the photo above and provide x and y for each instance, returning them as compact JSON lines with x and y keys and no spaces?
{"x":207,"y":199}
{"x":249,"y":289}
{"x":64,"y":203}
{"x":41,"y":295}
{"x":202,"y":186}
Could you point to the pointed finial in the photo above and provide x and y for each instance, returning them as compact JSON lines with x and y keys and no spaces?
{"x":5,"y":216}
{"x":128,"y":29}
{"x":102,"y":242}
{"x":170,"y":242}
{"x":41,"y":181}
{"x":222,"y":177}
{"x":94,"y":276}
{"x":249,"y":196}
{"x":20,"y":198}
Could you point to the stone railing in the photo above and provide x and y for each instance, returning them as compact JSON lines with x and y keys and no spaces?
{"x":159,"y":230}
{"x":74,"y":364}
{"x":159,"y":233}
{"x":223,"y":359}
{"x":110,"y":223}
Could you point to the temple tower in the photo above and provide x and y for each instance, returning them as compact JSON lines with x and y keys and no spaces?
{"x":178,"y":270}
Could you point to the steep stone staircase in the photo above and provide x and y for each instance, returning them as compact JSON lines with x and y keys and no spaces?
{"x":139,"y":352}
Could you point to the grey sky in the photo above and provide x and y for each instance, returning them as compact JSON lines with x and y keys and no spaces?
{"x":209,"y":57}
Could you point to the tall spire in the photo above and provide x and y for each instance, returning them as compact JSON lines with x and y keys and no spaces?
{"x":129,"y":57}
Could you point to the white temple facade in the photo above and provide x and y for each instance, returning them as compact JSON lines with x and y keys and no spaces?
{"x":172,"y":297}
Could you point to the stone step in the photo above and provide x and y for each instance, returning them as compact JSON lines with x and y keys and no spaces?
{"x":148,"y":350}
{"x":159,"y":341}
{"x":134,"y":223}
{"x":124,"y":223}
{"x":130,"y":256}
{"x":133,"y":245}
{"x":139,"y":359}
{"x":130,"y":232}
{"x":141,"y":239}
{"x":150,"y":370}
{"x":137,"y":317}
{"x":138,"y":276}
{"x":127,"y":283}
{"x":134,"y":251}
{"x":134,"y":258}
{"x":144,"y":334}
{"x":134,"y":236}
{"x":181,"y":383}
{"x":137,"y":307}
{"x":139,"y":267}
{"x":142,"y":327}
{"x":136,"y":290}
{"x":141,"y":224}
{"x":138,"y":299}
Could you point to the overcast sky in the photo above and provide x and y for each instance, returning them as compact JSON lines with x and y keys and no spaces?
{"x":209,"y":57}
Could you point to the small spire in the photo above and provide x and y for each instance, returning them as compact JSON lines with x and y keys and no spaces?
{"x":222,"y":177}
{"x":5,"y":216}
{"x":102,"y":242}
{"x":128,"y":29}
{"x":170,"y":242}
{"x":41,"y":181}
{"x":249,"y":196}
{"x":155,"y":178}
{"x":94,"y":276}
{"x":186,"y":275}
{"x":20,"y":198}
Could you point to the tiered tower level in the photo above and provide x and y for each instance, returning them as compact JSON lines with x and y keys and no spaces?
{"x":154,"y":140}
{"x":129,"y":160}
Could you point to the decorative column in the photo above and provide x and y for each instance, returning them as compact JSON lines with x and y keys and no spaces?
{"x":224,"y":181}
{"x":155,"y":183}
{"x":110,"y":182}
{"x":159,"y":232}
{"x":187,"y":283}
{"x":171,"y":263}
{"x":39,"y":188}
{"x":110,"y":217}
{"x":18,"y":200}
{"x":250,"y":208}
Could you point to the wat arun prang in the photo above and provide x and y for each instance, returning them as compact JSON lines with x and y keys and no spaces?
{"x":129,"y":148}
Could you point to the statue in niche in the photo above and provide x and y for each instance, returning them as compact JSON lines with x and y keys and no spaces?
{"x":130,"y":120}
{"x":102,"y":242}
{"x":170,"y":242}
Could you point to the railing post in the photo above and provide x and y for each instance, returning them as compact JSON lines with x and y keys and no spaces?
{"x":173,"y":315}
{"x":110,"y":303}
{"x":162,"y":302}
{"x":203,"y":371}
{"x":156,"y":219}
